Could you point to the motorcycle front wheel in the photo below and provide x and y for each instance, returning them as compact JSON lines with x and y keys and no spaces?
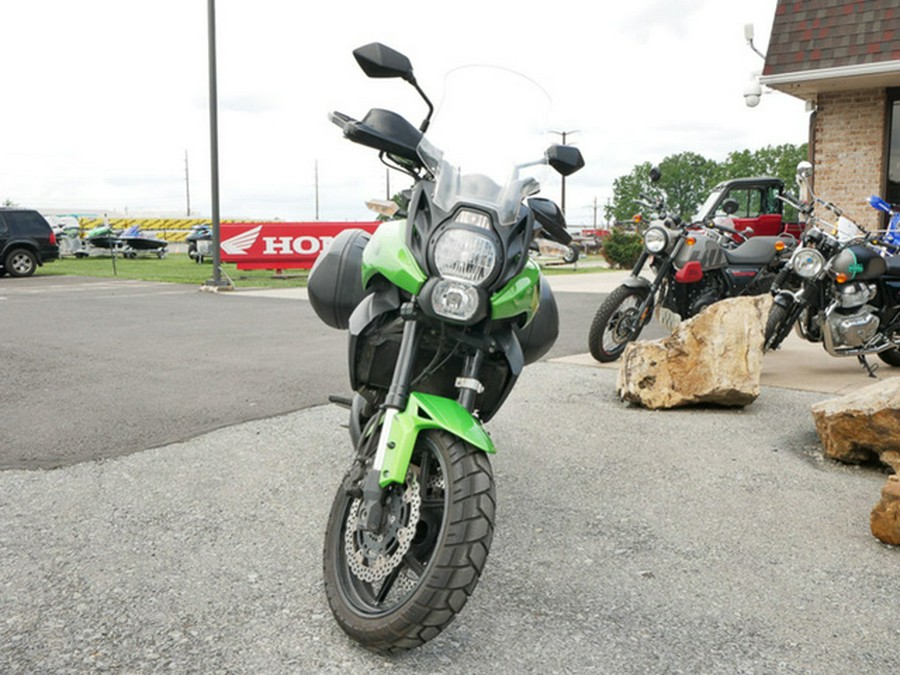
{"x":778,"y":325}
{"x":891,"y":357}
{"x":617,"y":323}
{"x":400,"y":588}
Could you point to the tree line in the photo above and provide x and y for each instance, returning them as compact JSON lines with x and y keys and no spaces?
{"x":687,"y":178}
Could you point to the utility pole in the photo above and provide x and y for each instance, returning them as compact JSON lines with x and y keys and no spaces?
{"x":216,"y":282}
{"x":564,"y":134}
{"x":316,"y":179}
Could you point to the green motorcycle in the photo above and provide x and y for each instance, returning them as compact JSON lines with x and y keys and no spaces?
{"x":443,"y":308}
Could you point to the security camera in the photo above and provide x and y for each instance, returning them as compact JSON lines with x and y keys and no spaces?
{"x":752,"y":93}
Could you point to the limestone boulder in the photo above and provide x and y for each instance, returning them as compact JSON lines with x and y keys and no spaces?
{"x":712,"y":358}
{"x":862,"y":426}
{"x":885,"y":519}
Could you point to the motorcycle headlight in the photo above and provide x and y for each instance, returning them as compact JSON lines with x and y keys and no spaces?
{"x":807,"y":263}
{"x":464,"y":255}
{"x":656,"y":239}
{"x":455,"y":300}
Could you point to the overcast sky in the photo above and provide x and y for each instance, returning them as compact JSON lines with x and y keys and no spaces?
{"x":104,"y":98}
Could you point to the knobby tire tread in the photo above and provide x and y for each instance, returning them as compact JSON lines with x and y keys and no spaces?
{"x":459,"y":564}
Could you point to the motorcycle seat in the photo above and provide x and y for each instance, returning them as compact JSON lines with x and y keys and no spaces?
{"x":754,"y":251}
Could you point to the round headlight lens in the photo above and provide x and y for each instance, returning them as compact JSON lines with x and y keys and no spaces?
{"x":656,"y":239}
{"x":808,"y":263}
{"x":465,"y":255}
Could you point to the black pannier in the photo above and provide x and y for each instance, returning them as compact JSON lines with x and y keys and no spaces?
{"x":335,"y":282}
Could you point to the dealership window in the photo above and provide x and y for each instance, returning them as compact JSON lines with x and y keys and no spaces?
{"x":893,"y":149}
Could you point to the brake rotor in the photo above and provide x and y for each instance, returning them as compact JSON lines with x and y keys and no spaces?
{"x":371,"y":557}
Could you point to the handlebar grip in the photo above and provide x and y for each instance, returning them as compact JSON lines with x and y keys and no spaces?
{"x":340,"y":119}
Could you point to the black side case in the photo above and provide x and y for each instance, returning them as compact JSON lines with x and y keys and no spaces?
{"x":538,"y":337}
{"x":335,"y":282}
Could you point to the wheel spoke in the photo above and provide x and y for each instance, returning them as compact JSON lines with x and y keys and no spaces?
{"x":415,"y":565}
{"x":386,"y":586}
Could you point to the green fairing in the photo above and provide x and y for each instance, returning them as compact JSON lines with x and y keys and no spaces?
{"x":386,"y":254}
{"x":426,"y":411}
{"x":521,"y":295}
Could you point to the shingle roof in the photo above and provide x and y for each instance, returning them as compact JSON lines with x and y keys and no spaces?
{"x":816,"y":34}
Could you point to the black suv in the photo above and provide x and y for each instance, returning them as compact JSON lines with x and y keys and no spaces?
{"x":26,"y":241}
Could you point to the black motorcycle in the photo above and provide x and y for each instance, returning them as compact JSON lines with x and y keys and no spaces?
{"x":694,"y":266}
{"x":848,"y":295}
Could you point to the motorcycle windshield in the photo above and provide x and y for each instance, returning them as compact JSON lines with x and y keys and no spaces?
{"x":487,"y":140}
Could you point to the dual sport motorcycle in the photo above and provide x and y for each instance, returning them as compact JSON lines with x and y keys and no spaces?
{"x":694,"y":266}
{"x":444,"y":309}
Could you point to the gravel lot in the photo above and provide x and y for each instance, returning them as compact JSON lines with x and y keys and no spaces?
{"x":628,"y":541}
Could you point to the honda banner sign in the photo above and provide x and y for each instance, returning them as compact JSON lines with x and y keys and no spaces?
{"x":280,"y":245}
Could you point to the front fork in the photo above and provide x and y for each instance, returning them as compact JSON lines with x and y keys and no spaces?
{"x":794,"y":302}
{"x":406,"y":413}
{"x":643,"y":310}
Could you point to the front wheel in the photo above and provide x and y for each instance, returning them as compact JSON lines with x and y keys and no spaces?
{"x":617,"y":323}
{"x":891,"y":357}
{"x":778,"y":325}
{"x":397,"y":589}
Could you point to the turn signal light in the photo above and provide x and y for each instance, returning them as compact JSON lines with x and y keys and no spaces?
{"x":779,"y":246}
{"x":690,"y":241}
{"x":841,"y":278}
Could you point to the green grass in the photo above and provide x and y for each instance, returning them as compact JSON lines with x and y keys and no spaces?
{"x":178,"y":268}
{"x":174,"y":268}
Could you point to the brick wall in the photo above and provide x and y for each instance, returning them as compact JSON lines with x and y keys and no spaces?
{"x":849,"y":147}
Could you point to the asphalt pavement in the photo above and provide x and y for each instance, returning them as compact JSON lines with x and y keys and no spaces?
{"x":701,"y":540}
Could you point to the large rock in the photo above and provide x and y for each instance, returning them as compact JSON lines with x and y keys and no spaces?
{"x":885,"y":519}
{"x":863,"y":425}
{"x":713,"y":358}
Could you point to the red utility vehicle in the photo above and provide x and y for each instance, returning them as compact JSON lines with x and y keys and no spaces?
{"x":759,"y":207}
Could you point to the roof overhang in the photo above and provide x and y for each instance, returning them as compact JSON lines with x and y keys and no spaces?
{"x":806,"y":84}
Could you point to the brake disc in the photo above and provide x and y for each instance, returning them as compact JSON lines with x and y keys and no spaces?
{"x":372,"y":557}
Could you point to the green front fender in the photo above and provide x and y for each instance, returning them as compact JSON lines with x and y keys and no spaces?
{"x":426,"y":411}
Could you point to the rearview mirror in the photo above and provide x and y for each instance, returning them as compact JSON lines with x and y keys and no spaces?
{"x":378,"y":60}
{"x":730,"y":206}
{"x":566,"y":159}
{"x":804,"y":169}
{"x":655,"y":174}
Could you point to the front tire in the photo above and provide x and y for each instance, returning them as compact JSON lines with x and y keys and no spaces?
{"x":617,"y":323}
{"x":778,"y":325}
{"x":20,"y":262}
{"x":397,"y":590}
{"x":891,"y":357}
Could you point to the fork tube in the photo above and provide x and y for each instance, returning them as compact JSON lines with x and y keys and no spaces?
{"x":639,"y":263}
{"x":399,"y":391}
{"x":469,"y":381}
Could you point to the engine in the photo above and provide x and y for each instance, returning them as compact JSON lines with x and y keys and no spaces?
{"x":849,"y":321}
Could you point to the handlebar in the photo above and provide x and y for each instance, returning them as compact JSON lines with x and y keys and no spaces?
{"x":340,"y":119}
{"x":730,"y":230}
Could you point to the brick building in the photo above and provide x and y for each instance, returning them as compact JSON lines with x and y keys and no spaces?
{"x":843,"y":58}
